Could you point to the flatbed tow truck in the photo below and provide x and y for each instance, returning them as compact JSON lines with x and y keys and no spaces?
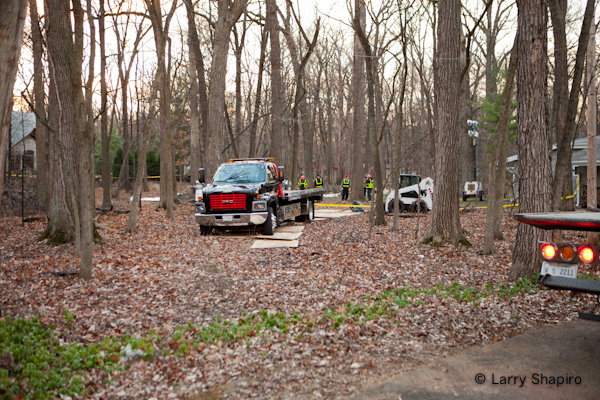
{"x":248,"y":193}
{"x":560,"y":260}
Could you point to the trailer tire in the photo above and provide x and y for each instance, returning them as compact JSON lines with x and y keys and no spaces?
{"x":205,"y":230}
{"x":271,"y":223}
{"x":481,"y":197}
{"x":464,"y":196}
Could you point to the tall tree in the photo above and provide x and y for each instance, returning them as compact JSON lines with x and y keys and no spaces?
{"x":228,"y":14}
{"x":12,"y":20}
{"x":104,"y":135}
{"x":371,"y":121}
{"x":41,"y":138}
{"x":534,"y":153}
{"x":497,"y":165}
{"x":194,"y":110}
{"x":276,"y":81}
{"x":358,"y":104}
{"x":445,"y":222}
{"x":565,"y":104}
{"x":161,"y":37}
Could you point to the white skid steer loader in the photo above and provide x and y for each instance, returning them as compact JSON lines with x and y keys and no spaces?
{"x":415,"y":195}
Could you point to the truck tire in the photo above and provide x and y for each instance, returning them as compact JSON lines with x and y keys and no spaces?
{"x":205,"y":230}
{"x":310,"y":213}
{"x":271,"y":223}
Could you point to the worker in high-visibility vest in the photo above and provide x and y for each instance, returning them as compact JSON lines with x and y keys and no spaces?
{"x":369,"y":186}
{"x":302,"y":183}
{"x":318,"y":181}
{"x":345,"y":187}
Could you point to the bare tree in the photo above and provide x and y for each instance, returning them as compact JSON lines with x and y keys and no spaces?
{"x":534,"y":153}
{"x":565,"y":111}
{"x":276,"y":81}
{"x":228,"y":14}
{"x":167,"y":177}
{"x":497,"y":167}
{"x":445,"y":222}
{"x":358,"y":105}
{"x":12,"y":20}
{"x":104,"y":135}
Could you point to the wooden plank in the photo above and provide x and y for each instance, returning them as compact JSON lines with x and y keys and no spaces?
{"x":281,"y":236}
{"x":271,"y":244}
{"x":290,"y":228}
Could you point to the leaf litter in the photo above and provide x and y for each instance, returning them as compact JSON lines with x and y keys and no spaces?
{"x":336,"y":314}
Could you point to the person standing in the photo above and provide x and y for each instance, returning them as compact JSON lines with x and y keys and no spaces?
{"x":302,"y":183}
{"x":345,"y":187}
{"x":369,"y":186}
{"x":318,"y":181}
{"x":365,"y":187}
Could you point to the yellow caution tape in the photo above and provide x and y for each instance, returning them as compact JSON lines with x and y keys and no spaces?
{"x":342,"y":205}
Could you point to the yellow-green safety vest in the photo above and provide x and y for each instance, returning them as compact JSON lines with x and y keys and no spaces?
{"x":318,"y":183}
{"x":346,"y":182}
{"x":369,"y":183}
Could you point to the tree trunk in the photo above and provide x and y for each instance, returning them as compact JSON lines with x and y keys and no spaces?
{"x":497,"y":167}
{"x":194,"y":111}
{"x":358,"y":107}
{"x":258,"y":100}
{"x":566,"y":119}
{"x":445,"y":222}
{"x":276,"y":82}
{"x":228,"y":15}
{"x":167,"y":180}
{"x":41,"y":138}
{"x":12,"y":20}
{"x":145,"y":140}
{"x":534,"y":153}
{"x":104,"y":134}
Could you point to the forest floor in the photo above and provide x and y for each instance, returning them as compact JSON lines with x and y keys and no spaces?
{"x":213,"y":318}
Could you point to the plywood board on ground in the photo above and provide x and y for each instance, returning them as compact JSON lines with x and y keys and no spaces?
{"x":270,"y":244}
{"x":291,"y":228}
{"x":281,"y":236}
{"x":338,"y":214}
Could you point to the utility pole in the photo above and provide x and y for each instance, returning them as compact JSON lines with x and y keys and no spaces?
{"x":473,"y":134}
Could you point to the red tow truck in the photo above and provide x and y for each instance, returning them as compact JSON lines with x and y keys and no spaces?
{"x":560,"y":261}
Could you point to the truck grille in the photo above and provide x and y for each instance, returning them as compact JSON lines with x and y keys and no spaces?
{"x":228,"y":201}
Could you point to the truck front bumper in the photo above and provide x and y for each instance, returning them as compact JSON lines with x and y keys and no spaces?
{"x":251,"y":219}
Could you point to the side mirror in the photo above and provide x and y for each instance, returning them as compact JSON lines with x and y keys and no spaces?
{"x":280,"y":171}
{"x":201,"y":175}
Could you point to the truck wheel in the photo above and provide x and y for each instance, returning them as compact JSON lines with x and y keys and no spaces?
{"x":311,"y":211}
{"x":205,"y":230}
{"x":271,"y":223}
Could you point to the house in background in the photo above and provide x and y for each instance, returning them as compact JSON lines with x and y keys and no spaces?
{"x":578,"y":165}
{"x":22,"y":142}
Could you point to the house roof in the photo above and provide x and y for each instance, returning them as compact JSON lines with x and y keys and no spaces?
{"x":22,"y":124}
{"x":579,"y":157}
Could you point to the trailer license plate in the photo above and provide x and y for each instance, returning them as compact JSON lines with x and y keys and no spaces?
{"x":227,"y":218}
{"x":557,"y":269}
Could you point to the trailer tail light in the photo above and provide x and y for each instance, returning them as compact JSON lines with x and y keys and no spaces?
{"x":586,"y":254}
{"x":548,"y":251}
{"x":567,"y":253}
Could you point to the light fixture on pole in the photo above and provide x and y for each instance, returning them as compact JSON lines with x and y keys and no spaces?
{"x":473,"y":134}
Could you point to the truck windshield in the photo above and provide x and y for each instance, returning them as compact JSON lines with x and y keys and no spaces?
{"x":240,"y":173}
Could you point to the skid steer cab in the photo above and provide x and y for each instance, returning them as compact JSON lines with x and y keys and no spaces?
{"x":561,"y":261}
{"x":415,"y":195}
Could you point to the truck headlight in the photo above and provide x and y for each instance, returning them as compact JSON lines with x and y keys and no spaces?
{"x":259,"y":206}
{"x":200,"y":207}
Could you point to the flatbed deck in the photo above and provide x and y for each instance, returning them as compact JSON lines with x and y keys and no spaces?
{"x":569,"y":220}
{"x":293,"y":195}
